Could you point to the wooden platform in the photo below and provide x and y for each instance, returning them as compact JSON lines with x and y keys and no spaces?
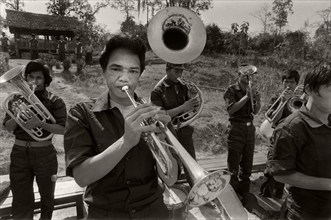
{"x":67,"y":194}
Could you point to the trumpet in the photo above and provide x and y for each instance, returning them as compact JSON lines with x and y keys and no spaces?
{"x":249,"y":70}
{"x":206,"y":186}
{"x":27,"y":101}
{"x":293,"y":104}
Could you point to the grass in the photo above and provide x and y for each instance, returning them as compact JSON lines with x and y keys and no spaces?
{"x":210,"y":128}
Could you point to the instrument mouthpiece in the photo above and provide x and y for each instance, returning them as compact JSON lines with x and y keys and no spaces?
{"x":125,"y":88}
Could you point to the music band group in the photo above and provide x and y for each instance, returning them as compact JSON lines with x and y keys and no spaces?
{"x":126,"y":151}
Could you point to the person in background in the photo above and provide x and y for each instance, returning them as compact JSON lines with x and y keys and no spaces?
{"x":290,"y":80}
{"x":241,"y":131}
{"x":34,"y":47}
{"x":35,"y":159}
{"x":78,"y":50}
{"x":88,"y":53}
{"x":173,"y":97}
{"x":104,"y":148}
{"x":4,"y":43}
{"x":301,"y":151}
{"x":61,"y":48}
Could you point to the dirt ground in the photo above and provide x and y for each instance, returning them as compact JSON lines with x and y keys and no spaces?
{"x":83,"y":91}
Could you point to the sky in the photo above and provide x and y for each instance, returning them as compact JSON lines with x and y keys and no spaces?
{"x":223,"y":13}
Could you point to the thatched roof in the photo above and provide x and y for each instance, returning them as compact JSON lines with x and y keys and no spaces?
{"x":41,"y":24}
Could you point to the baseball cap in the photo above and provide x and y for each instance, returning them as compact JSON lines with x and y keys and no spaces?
{"x":175,"y":66}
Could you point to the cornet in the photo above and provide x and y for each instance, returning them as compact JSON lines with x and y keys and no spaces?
{"x":206,"y":186}
{"x":28,"y":100}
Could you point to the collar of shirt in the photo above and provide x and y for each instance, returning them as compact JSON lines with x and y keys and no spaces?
{"x":167,"y":82}
{"x":311,"y":120}
{"x":102,"y":103}
{"x":237,"y":86}
{"x":44,"y":95}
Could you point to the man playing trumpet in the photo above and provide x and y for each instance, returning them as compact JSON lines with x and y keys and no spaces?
{"x":104,"y":148}
{"x":31,"y":158}
{"x":241,"y":131}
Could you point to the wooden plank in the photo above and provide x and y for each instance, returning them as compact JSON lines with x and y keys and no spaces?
{"x":232,"y":206}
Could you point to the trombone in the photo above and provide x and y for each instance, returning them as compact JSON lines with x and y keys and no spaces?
{"x":249,"y":70}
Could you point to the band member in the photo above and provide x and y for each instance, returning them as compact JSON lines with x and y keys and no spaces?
{"x":30,"y":158}
{"x":61,"y":48}
{"x":103,"y":144}
{"x":34,"y":47}
{"x":88,"y":53}
{"x":241,"y":132}
{"x":290,"y":80}
{"x":172,"y":96}
{"x":301,"y":151}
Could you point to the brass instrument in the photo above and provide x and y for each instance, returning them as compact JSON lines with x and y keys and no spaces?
{"x":207,"y":186}
{"x":177,"y":35}
{"x":249,"y":70}
{"x":188,"y":117}
{"x":294,"y":103}
{"x":28,"y":100}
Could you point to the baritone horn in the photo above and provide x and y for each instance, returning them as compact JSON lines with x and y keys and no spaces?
{"x":18,"y":103}
{"x":177,"y":35}
{"x":206,"y":186}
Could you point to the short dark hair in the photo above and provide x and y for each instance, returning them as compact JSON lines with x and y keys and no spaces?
{"x":291,"y":74}
{"x":317,"y":77}
{"x":36,"y":65}
{"x":133,"y":44}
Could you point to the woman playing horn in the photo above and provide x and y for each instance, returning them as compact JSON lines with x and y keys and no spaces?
{"x":31,"y":158}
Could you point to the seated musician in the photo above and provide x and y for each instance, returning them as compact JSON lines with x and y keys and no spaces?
{"x":172,"y":96}
{"x":290,"y":80}
{"x":104,"y":148}
{"x":301,"y":151}
{"x":35,"y":159}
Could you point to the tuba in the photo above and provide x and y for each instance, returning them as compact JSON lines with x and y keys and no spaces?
{"x":188,"y":117}
{"x":17,"y":109}
{"x":178,"y":36}
{"x":206,"y":186}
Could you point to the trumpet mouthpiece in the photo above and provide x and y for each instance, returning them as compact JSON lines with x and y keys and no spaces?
{"x":125,"y":88}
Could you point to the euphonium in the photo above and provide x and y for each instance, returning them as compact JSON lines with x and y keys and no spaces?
{"x":206,"y":186}
{"x":28,"y":100}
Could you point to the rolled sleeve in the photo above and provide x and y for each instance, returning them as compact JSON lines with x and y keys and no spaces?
{"x":59,"y":112}
{"x":230,"y":97}
{"x":156,"y":98}
{"x":77,"y":139}
{"x":285,"y":149}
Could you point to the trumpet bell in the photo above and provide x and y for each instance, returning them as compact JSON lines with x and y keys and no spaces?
{"x":266,"y":129}
{"x":177,"y":35}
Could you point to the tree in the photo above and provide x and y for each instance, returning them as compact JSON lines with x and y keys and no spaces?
{"x":16,"y":5}
{"x":281,"y":9}
{"x":264,"y":16}
{"x":126,"y":6}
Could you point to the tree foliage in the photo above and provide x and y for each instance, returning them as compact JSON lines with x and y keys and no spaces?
{"x":281,"y":9}
{"x":16,"y":5}
{"x":264,"y":16}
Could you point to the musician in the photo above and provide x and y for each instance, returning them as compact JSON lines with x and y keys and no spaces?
{"x":103,"y":145}
{"x":172,"y":96}
{"x":290,"y":80}
{"x":4,"y":43}
{"x":30,"y":158}
{"x":241,"y":131}
{"x":301,"y":151}
{"x":78,"y":50}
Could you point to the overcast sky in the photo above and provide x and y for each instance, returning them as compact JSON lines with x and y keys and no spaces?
{"x":223,"y":13}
